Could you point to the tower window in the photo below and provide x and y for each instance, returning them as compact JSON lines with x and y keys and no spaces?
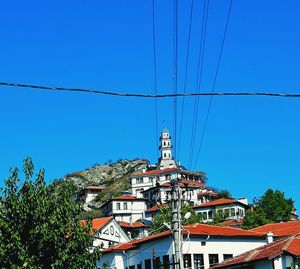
{"x":169,"y":154}
{"x":165,"y":155}
{"x":164,"y":143}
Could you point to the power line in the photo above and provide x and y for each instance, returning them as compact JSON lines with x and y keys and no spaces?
{"x":155,"y":74}
{"x":185,"y":74}
{"x":214,"y":82}
{"x":175,"y":69}
{"x":268,"y":94}
{"x":199,"y":78}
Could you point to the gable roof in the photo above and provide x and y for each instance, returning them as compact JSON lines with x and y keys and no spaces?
{"x":97,"y":224}
{"x":280,"y":229}
{"x":155,"y":208}
{"x":127,"y":198}
{"x":155,"y":172}
{"x":290,"y":245}
{"x":221,"y":201}
{"x":137,"y":224}
{"x":192,"y":230}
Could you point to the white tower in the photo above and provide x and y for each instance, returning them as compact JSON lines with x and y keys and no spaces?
{"x":166,"y":160}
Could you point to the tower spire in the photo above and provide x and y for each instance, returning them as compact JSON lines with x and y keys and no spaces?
{"x":166,"y":160}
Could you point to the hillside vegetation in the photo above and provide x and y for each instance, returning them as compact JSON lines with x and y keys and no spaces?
{"x":115,"y":176}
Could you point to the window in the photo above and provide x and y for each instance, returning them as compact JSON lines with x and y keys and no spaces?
{"x":232,"y":210}
{"x":187,"y":262}
{"x":165,"y":155}
{"x":156,"y":263}
{"x":148,"y":264}
{"x":204,"y":215}
{"x":227,"y":256}
{"x":139,"y":180}
{"x":131,"y":267}
{"x":226,"y":213}
{"x":213,"y":258}
{"x":150,"y":179}
{"x":139,"y":266}
{"x":166,"y":262}
{"x":125,"y":206}
{"x":198,"y":261}
{"x":210,"y":214}
{"x":118,"y":206}
{"x":164,"y":143}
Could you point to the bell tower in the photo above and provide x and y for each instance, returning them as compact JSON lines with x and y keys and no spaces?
{"x":166,"y":160}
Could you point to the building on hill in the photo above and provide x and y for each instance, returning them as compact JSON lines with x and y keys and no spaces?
{"x":126,"y":208}
{"x":166,"y":170}
{"x":203,"y":246}
{"x":229,"y":208}
{"x":280,"y":229}
{"x":135,"y":230}
{"x":88,"y":194}
{"x":280,"y":254}
{"x":107,"y":232}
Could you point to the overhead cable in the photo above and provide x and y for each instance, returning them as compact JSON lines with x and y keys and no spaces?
{"x":120,"y":94}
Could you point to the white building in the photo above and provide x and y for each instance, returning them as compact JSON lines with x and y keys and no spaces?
{"x":203,"y":246}
{"x":107,"y":232}
{"x":89,"y":193}
{"x":126,"y":208}
{"x":280,"y":254}
{"x":166,"y":160}
{"x":165,"y":171}
{"x":229,"y":208}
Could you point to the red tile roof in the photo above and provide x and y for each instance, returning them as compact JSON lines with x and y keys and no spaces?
{"x":192,"y":182}
{"x":127,"y":198}
{"x":204,"y":229}
{"x":97,"y":223}
{"x":221,"y":201}
{"x":269,"y":251}
{"x":280,"y":229}
{"x":95,"y":188}
{"x":156,"y":172}
{"x":196,"y":230}
{"x":132,"y":225}
{"x":210,"y":193}
{"x":155,"y":208}
{"x":232,"y":223}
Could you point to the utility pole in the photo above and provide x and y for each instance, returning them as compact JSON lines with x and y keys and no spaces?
{"x":176,"y":223}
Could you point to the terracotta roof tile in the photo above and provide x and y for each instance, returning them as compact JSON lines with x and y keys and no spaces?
{"x":280,"y":229}
{"x":97,"y":223}
{"x":138,"y":224}
{"x":269,"y":251}
{"x":155,"y":208}
{"x":127,"y":198}
{"x":221,"y":201}
{"x":156,"y":172}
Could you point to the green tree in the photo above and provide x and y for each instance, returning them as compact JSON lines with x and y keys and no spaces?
{"x":166,"y":216}
{"x":224,"y":194}
{"x":40,"y":226}
{"x":271,"y":207}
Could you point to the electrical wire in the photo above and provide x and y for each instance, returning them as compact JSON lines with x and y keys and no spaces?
{"x":185,"y":75}
{"x":175,"y":69}
{"x":214,"y":83}
{"x":199,"y":78}
{"x":119,"y":94}
{"x":155,"y":75}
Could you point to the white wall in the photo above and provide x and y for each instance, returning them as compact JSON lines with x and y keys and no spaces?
{"x":135,"y":210}
{"x":163,"y":247}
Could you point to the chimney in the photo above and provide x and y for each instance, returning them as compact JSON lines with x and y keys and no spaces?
{"x":269,"y":237}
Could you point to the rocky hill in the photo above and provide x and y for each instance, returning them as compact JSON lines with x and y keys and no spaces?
{"x":115,"y":176}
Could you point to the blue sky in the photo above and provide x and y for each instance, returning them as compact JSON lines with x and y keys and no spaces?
{"x":250,"y":144}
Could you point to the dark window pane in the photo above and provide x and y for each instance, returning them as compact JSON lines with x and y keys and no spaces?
{"x":213,"y":258}
{"x":166,"y":262}
{"x":139,"y":266}
{"x":198,"y":261}
{"x":187,"y":263}
{"x":227,"y":256}
{"x":148,"y":264}
{"x":131,"y":267}
{"x":156,"y":263}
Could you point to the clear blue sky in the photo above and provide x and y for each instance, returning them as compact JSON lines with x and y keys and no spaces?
{"x":251,"y":143}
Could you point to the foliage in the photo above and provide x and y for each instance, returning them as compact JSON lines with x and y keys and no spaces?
{"x":224,"y":194}
{"x":40,"y":225}
{"x":271,"y":207}
{"x":166,"y":216}
{"x":91,"y":214}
